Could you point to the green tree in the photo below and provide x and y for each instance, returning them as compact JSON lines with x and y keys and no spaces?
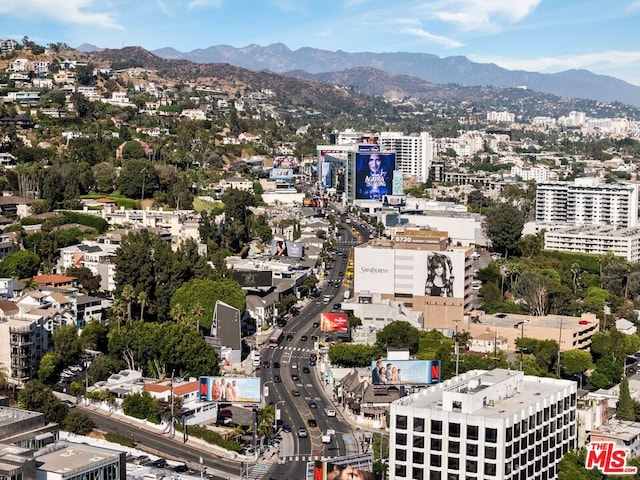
{"x":20,"y":264}
{"x":544,"y":351}
{"x":397,"y":335}
{"x":77,"y":422}
{"x":94,"y":336}
{"x":205,"y":293}
{"x":50,"y":366}
{"x":103,"y":366}
{"x":572,"y":467}
{"x":352,"y":355}
{"x":90,"y":283}
{"x":136,"y":178}
{"x":575,"y":361}
{"x":105,"y":176}
{"x":503,"y":227}
{"x":38,"y":397}
{"x":133,"y":150}
{"x":67,"y":344}
{"x":624,"y":408}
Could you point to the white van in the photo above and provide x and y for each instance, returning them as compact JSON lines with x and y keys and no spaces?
{"x":255,"y":359}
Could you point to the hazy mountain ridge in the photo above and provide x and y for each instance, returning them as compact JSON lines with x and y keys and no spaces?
{"x":460,"y":70}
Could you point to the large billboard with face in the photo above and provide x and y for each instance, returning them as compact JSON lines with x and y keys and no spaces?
{"x":374,"y":175}
{"x":334,"y":322}
{"x":405,"y":372}
{"x":281,"y":174}
{"x":229,"y":389}
{"x":443,"y":274}
{"x":326,"y":178}
{"x":323,"y":470}
{"x":286,"y":248}
{"x":373,"y":270}
{"x":254,"y":278}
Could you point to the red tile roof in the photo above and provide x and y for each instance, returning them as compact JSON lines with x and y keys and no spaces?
{"x":154,"y":387}
{"x":51,"y":279}
{"x":8,"y":306}
{"x":185,"y":388}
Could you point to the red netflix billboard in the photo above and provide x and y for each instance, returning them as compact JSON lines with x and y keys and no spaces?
{"x":334,"y":322}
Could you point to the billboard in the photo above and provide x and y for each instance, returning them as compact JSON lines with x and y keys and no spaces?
{"x":405,"y":372}
{"x":325,"y":174}
{"x":323,"y":470}
{"x":254,"y":278}
{"x":285,"y":162}
{"x":281,"y":174}
{"x":320,"y":202}
{"x":229,"y":389}
{"x":334,"y":322}
{"x":394,"y":200}
{"x":398,"y":186}
{"x":374,"y":175}
{"x":286,"y":248}
{"x":443,"y":274}
{"x":226,"y":325}
{"x":373,"y":270}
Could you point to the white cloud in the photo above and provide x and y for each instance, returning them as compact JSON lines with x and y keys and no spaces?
{"x":634,"y":5}
{"x":80,"y":12}
{"x":601,"y":61}
{"x":204,"y":3}
{"x":419,"y":32}
{"x":487,"y":15}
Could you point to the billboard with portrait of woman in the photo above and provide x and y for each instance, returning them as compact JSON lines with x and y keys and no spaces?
{"x":374,"y":175}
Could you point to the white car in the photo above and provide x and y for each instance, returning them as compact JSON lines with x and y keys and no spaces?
{"x":330,"y":412}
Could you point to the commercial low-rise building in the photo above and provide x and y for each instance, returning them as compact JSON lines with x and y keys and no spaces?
{"x":596,"y":240}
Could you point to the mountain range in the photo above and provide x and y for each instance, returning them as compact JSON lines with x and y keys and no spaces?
{"x":343,"y":68}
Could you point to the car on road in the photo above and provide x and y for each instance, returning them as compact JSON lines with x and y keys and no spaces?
{"x":304,"y":338}
{"x":312,"y":422}
{"x":286,"y":427}
{"x":295,"y":393}
{"x":277,"y":378}
{"x":305,"y":370}
{"x":289,"y":337}
{"x":295,"y":377}
{"x":294,"y":366}
{"x":337,"y":306}
{"x":329,"y":412}
{"x":275,"y":364}
{"x":313,"y":404}
{"x":312,"y":362}
{"x":266,"y":364}
{"x":302,"y":432}
{"x":316,"y":324}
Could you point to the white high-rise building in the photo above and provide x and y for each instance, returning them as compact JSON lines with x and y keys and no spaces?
{"x":587,"y":202}
{"x":498,"y":424}
{"x":414,"y":153}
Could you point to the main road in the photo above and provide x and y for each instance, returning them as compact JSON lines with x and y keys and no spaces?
{"x":300,"y":393}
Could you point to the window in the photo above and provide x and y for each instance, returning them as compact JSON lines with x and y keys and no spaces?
{"x":418,"y":457}
{"x":436,"y":427}
{"x":401,"y":438}
{"x":472,"y":432}
{"x":508,"y":451}
{"x":433,"y":474}
{"x":401,"y":422}
{"x":401,"y":455}
{"x":401,"y":470}
{"x":418,"y":442}
{"x":417,"y":473}
{"x":454,"y":447}
{"x":453,"y":463}
{"x":490,"y":452}
{"x":472,"y":450}
{"x":490,"y":469}
{"x":471,"y":466}
{"x":509,"y":434}
{"x":454,"y":430}
{"x":418,"y":424}
{"x":436,"y":444}
{"x":436,"y":460}
{"x":516,"y":430}
{"x":491,"y":435}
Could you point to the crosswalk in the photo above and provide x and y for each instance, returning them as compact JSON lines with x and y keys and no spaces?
{"x":294,"y":349}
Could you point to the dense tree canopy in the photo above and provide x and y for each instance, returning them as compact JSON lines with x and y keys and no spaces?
{"x":503,"y":226}
{"x":398,"y":335}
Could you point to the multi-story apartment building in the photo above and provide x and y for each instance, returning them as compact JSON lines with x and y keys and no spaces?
{"x":587,"y":202}
{"x":597,"y":240}
{"x":498,"y":424}
{"x":414,"y":153}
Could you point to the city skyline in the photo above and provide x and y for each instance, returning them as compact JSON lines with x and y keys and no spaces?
{"x":532,"y":35}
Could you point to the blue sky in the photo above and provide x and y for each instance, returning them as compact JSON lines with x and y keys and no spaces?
{"x":535,"y":35}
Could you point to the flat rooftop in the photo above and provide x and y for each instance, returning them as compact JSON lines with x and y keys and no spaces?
{"x":70,"y":457}
{"x":512,"y":320}
{"x":10,"y":415}
{"x":527,"y":391}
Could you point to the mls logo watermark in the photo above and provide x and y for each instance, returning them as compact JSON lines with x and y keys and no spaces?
{"x":609,"y":458}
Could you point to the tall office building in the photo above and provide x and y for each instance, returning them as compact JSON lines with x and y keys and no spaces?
{"x":587,"y":202}
{"x":498,"y":424}
{"x":414,"y":153}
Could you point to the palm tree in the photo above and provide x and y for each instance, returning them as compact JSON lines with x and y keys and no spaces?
{"x":178,"y":313}
{"x":118,"y":309}
{"x":143,"y":300}
{"x":575,"y":275}
{"x":128,"y":294}
{"x":197,"y":312}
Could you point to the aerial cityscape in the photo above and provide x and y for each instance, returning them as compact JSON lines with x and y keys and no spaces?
{"x":215,"y":271}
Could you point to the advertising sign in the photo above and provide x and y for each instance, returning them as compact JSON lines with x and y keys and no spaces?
{"x":334,"y":322}
{"x":281,"y":174}
{"x":325,"y":175}
{"x":398,"y":186}
{"x":285,"y":162}
{"x":226,"y":325}
{"x":323,"y":470}
{"x":394,"y":200}
{"x":229,"y":389}
{"x":254,"y":278}
{"x":444,"y":274}
{"x":286,"y":248}
{"x":405,"y":372}
{"x":373,"y":270}
{"x":374,"y":175}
